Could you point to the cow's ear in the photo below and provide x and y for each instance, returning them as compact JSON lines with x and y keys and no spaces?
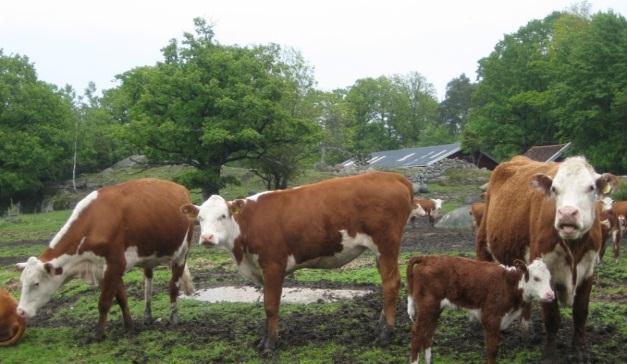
{"x":236,"y":206}
{"x":606,"y":183}
{"x":20,"y":266}
{"x":190,"y":210}
{"x":52,"y":270}
{"x":542,"y":183}
{"x":521,"y":266}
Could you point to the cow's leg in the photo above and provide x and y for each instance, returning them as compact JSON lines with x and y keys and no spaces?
{"x":580,"y":315}
{"x":391,"y":282}
{"x":177,"y":272}
{"x":551,"y":317}
{"x":273,"y":276}
{"x":616,"y":237}
{"x":120,"y":297}
{"x":492,"y":333}
{"x":526,"y":326}
{"x":109,"y":289}
{"x":481,"y":244}
{"x":427,"y":316}
{"x":148,"y":295}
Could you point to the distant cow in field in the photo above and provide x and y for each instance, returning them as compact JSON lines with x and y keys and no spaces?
{"x":493,"y":293}
{"x":12,"y":326}
{"x":548,"y":211}
{"x":476,"y":211}
{"x":113,"y":229}
{"x":430,"y":206}
{"x":321,"y":225}
{"x":610,"y":228}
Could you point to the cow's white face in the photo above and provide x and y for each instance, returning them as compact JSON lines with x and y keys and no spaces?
{"x":39,"y":282}
{"x":217,"y":225}
{"x":536,"y":282}
{"x":575,"y":189}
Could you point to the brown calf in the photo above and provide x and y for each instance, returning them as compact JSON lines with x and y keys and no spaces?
{"x":321,"y":225}
{"x":12,"y":326}
{"x":492,"y":292}
{"x":137,"y":223}
{"x":610,"y":229}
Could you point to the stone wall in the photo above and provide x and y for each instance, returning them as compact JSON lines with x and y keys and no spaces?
{"x":434,"y":172}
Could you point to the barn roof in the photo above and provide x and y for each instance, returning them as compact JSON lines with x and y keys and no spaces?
{"x":409,"y":157}
{"x":546,"y":153}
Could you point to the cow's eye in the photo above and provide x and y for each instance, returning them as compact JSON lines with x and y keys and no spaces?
{"x":536,"y":279}
{"x":591,"y":188}
{"x":36,"y":284}
{"x":553,"y":189}
{"x":222,"y":217}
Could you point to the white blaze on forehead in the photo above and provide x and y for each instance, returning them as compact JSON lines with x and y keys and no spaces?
{"x":82,"y":204}
{"x":438,"y":203}
{"x":607,"y":203}
{"x":539,"y":283}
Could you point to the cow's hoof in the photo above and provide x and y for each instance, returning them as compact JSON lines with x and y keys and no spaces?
{"x":99,"y":336}
{"x":174,"y":319}
{"x":148,"y":318}
{"x":384,"y":336}
{"x":266,"y":346}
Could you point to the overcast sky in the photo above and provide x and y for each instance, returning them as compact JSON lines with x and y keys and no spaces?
{"x":74,"y":42}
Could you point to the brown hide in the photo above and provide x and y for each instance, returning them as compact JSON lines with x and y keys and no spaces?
{"x":12,"y":326}
{"x":463,"y":282}
{"x":476,"y":210}
{"x":518,"y":217}
{"x":305,"y":223}
{"x":620,"y":208}
{"x":144,"y":213}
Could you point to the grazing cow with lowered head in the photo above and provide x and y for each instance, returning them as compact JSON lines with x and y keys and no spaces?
{"x":430,"y":206}
{"x":113,"y":229}
{"x":492,"y":292}
{"x":548,"y":211}
{"x":321,"y":225}
{"x":12,"y":325}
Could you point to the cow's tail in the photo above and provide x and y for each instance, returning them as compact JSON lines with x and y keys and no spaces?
{"x":410,"y":273}
{"x":185,"y":282}
{"x":19,"y":332}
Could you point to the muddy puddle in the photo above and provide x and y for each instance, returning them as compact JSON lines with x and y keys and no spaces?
{"x":298,"y":295}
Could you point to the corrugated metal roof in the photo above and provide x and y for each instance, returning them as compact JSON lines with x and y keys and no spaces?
{"x":409,"y":157}
{"x":546,"y":153}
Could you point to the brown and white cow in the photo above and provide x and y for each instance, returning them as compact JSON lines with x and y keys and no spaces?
{"x":431,"y":207}
{"x":12,"y":325}
{"x":492,"y":292}
{"x":113,"y":229}
{"x":321,"y":225}
{"x":610,"y":227}
{"x":476,"y":211}
{"x":548,"y":211}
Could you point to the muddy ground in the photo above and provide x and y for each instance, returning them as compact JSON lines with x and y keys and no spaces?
{"x":352,"y":326}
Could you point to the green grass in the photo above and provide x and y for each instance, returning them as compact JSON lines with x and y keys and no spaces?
{"x":32,"y":226}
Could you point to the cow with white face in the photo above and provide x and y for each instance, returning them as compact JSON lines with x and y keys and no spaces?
{"x":548,"y":211}
{"x":112,"y":230}
{"x":321,"y":225}
{"x":575,"y":188}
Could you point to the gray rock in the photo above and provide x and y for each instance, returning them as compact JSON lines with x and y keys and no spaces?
{"x":456,"y":219}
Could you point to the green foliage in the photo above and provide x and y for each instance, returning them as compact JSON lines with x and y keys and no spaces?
{"x":35,"y":120}
{"x":559,"y":79}
{"x":456,"y":105}
{"x":208,"y":104}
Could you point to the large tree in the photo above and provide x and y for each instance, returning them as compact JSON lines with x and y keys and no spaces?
{"x":209,"y":104}
{"x":36,"y":121}
{"x":456,"y":104}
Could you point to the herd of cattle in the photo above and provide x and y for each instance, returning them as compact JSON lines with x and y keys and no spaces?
{"x":539,"y":234}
